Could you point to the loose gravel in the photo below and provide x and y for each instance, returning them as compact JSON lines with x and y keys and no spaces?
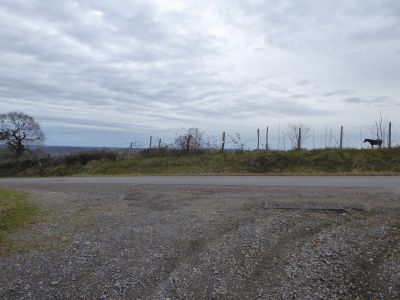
{"x":196,"y":242}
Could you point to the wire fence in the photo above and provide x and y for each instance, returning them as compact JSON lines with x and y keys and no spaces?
{"x":282,"y":138}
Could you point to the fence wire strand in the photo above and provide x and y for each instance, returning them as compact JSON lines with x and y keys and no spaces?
{"x":279,"y":138}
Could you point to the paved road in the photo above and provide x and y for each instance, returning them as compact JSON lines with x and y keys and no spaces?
{"x":311,"y":181}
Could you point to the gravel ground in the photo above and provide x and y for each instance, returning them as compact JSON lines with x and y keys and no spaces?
{"x":195,"y":242}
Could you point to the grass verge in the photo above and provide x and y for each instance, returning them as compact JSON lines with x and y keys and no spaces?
{"x":16,"y":211}
{"x":303,"y":162}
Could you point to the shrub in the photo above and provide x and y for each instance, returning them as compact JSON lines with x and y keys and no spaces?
{"x":85,"y":157}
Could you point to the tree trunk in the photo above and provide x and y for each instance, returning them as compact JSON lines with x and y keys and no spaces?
{"x":18,"y":148}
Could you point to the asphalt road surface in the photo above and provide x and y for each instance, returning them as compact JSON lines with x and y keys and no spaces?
{"x":300,"y":181}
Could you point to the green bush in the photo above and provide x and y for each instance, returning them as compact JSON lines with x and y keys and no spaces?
{"x":85,"y":157}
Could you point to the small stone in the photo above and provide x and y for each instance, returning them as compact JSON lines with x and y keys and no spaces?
{"x":54,"y":282}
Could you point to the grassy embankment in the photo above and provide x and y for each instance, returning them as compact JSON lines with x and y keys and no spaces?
{"x":305,"y":162}
{"x":15,"y":212}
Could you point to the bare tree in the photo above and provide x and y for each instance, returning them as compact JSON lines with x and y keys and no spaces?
{"x":382,"y":129}
{"x":19,"y":131}
{"x":236,"y":142}
{"x":211,"y":143}
{"x":298,"y":134}
{"x":190,"y":140}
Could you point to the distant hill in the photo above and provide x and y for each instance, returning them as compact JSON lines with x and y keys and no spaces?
{"x":55,"y":151}
{"x":65,"y":150}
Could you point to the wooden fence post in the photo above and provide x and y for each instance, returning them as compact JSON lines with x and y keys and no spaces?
{"x":159,"y":143}
{"x":258,"y":139}
{"x":223,"y":142}
{"x":266,"y":139}
{"x":341,"y":137}
{"x":151,"y":140}
{"x":299,"y":140}
{"x":390,"y":135}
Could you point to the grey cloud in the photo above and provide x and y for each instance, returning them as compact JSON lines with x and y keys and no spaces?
{"x":143,"y":66}
{"x":271,"y":107}
{"x":353,"y":100}
{"x":369,"y":101}
{"x":285,"y":107}
{"x":300,"y":96}
{"x":382,"y":34}
{"x":303,"y":82}
{"x":339,"y":93}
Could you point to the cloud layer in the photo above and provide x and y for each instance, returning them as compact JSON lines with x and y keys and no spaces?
{"x":116,"y":71}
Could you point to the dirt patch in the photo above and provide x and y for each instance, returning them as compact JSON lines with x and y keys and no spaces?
{"x":122,"y":241}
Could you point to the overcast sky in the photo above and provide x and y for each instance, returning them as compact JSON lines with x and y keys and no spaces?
{"x":103,"y":73}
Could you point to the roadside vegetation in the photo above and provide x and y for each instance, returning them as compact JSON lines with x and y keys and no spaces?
{"x":163,"y":161}
{"x":192,"y":153}
{"x":16,"y":211}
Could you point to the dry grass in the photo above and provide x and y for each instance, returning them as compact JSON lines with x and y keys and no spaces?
{"x":304,"y":162}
